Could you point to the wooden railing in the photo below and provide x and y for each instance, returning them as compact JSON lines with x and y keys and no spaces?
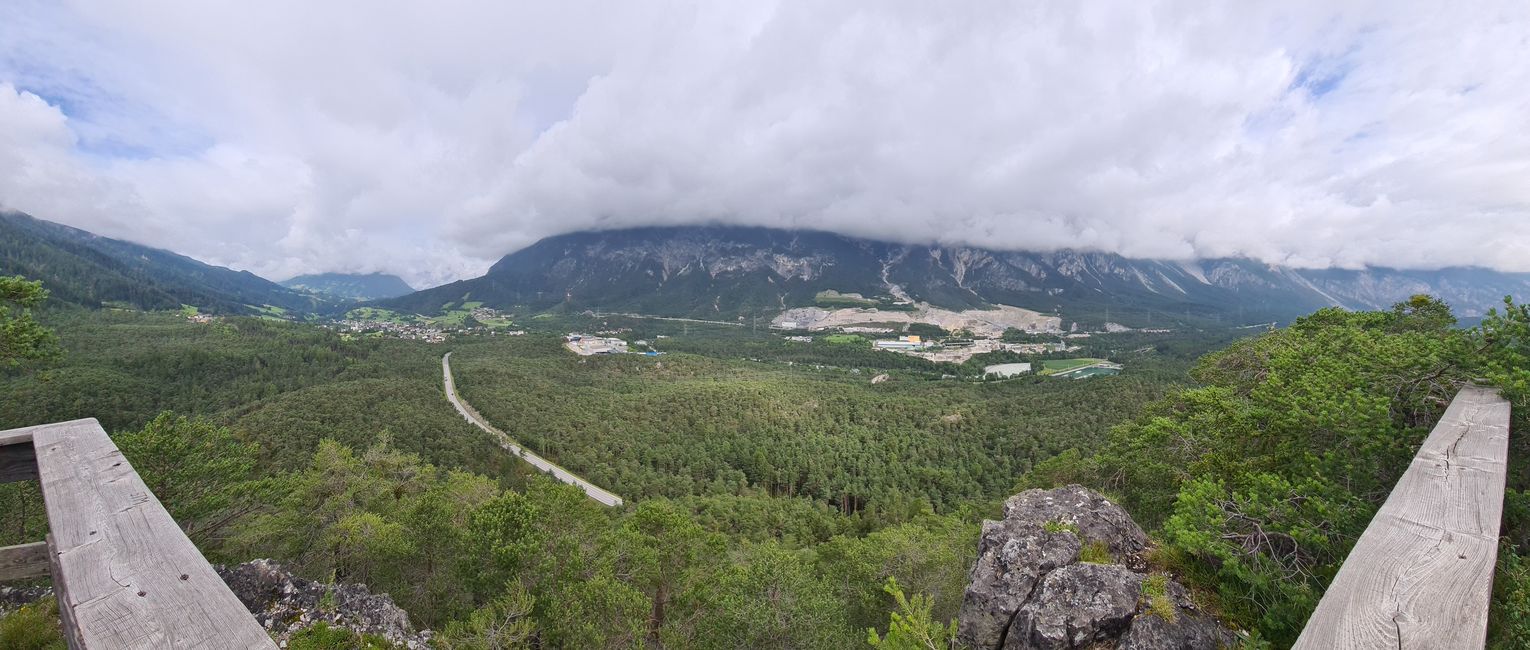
{"x":124,"y":573}
{"x":1421,"y":574}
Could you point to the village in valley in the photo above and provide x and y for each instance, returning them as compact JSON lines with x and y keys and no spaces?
{"x":914,"y":329}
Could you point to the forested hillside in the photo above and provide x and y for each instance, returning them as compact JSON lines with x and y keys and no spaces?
{"x":687,"y":424}
{"x":351,"y":286}
{"x":773,"y":488}
{"x":1260,"y":481}
{"x":342,"y":457}
{"x":89,"y":270}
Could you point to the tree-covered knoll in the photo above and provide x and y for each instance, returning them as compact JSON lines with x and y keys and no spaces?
{"x":282,"y":385}
{"x":1260,"y":480}
{"x":544,"y":564}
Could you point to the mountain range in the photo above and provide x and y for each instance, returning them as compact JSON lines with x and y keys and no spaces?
{"x":86,"y":269}
{"x":734,"y":272}
{"x":727,"y":272}
{"x":351,"y":286}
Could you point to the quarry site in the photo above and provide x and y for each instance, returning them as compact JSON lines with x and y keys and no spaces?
{"x":982,"y":323}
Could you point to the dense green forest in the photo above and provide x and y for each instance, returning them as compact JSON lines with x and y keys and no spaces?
{"x":684,"y":424}
{"x":775,"y":493}
{"x":1259,"y":481}
{"x":342,"y":458}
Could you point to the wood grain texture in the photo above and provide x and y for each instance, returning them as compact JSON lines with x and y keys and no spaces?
{"x":1421,"y":574}
{"x":24,"y":561}
{"x":125,"y":574}
{"x":70,"y":631}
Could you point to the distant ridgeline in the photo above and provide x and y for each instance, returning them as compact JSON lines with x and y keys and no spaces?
{"x":732,"y":272}
{"x":737,"y":271}
{"x":93,"y":271}
{"x":352,"y":286}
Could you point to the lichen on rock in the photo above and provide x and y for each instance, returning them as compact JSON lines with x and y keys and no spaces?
{"x":1029,"y":589}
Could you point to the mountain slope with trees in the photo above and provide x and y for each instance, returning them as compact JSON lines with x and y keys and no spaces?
{"x":351,"y":286}
{"x":1261,"y":480}
{"x":92,"y":271}
{"x":727,"y":272}
{"x":773,"y":505}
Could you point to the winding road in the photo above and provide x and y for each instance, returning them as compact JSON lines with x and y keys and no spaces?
{"x":510,"y":445}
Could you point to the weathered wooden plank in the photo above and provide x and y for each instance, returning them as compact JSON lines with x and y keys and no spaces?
{"x":24,"y":561}
{"x":129,"y":577}
{"x":1421,"y":574}
{"x":67,"y":626}
{"x":16,"y":436}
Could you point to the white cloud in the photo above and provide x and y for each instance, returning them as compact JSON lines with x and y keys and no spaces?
{"x":430,"y":139}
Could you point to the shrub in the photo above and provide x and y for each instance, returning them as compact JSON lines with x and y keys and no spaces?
{"x":1155,"y":589}
{"x":33,"y":627}
{"x":1095,"y":552}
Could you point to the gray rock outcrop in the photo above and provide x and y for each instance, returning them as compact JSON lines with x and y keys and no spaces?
{"x":13,"y":598}
{"x":286,"y":604}
{"x":1030,"y":588}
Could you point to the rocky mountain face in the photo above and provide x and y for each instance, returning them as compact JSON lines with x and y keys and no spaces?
{"x":734,"y":271}
{"x":351,"y":286}
{"x":1064,"y":569}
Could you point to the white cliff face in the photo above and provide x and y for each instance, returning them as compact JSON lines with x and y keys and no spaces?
{"x":981,"y":322}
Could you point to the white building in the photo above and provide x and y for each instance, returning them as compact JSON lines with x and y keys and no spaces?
{"x":902,"y":343}
{"x":1006,"y":370}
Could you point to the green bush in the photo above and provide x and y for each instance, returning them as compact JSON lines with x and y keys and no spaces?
{"x":1509,"y":618}
{"x":1059,"y":526}
{"x":1155,"y":589}
{"x":1095,"y":552}
{"x":33,"y":627}
{"x":323,"y":637}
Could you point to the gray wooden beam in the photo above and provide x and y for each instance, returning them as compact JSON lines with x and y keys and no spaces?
{"x":1421,"y":574}
{"x":24,"y":561}
{"x":125,"y":574}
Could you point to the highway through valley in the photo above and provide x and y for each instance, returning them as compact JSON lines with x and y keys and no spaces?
{"x":504,"y":440}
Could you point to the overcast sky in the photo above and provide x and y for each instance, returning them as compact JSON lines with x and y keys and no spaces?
{"x":430,"y":138}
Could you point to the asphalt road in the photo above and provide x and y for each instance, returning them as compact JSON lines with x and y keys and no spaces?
{"x":546,"y":466}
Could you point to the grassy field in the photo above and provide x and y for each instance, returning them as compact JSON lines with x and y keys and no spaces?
{"x":1053,"y":366}
{"x":844,"y":338}
{"x":377,"y":314}
{"x":453,"y":318}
